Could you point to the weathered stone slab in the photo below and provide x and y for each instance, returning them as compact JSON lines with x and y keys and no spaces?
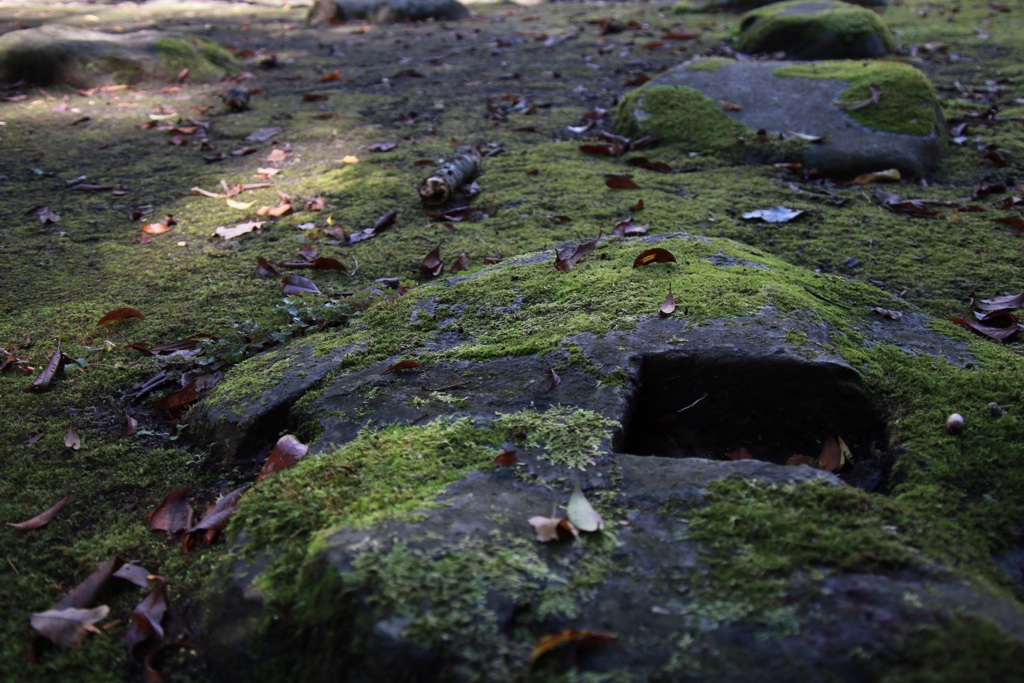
{"x":825,"y":111}
{"x":688,"y":6}
{"x":814,"y":29}
{"x":386,"y":10}
{"x":57,"y":54}
{"x":456,"y":586}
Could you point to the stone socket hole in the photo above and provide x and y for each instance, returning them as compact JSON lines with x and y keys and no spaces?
{"x":708,"y":406}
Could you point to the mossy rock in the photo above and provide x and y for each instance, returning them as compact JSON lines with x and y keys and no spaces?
{"x":696,"y":6}
{"x":383,"y":11}
{"x":400,"y":551}
{"x":814,"y":29}
{"x":64,"y":55}
{"x":822,"y":113}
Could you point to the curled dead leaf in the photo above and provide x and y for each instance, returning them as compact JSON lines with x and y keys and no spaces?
{"x":287,"y":451}
{"x":657,"y":255}
{"x":42,"y":519}
{"x":581,"y":513}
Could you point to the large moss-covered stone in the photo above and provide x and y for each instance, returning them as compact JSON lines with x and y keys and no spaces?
{"x":57,"y":54}
{"x":814,"y":29}
{"x":399,"y":551}
{"x":688,"y":6}
{"x":825,"y":111}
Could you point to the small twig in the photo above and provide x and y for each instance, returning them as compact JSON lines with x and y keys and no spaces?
{"x":693,"y":404}
{"x":13,"y":567}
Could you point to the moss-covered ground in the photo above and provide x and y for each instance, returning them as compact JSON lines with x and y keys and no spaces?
{"x":513,"y":79}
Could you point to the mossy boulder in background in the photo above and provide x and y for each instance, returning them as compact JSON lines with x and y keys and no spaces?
{"x":694,"y":6}
{"x":840,"y":117}
{"x":814,"y":29}
{"x":64,"y":55}
{"x":384,"y":11}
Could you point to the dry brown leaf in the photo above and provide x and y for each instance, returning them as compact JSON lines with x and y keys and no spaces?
{"x":42,"y":519}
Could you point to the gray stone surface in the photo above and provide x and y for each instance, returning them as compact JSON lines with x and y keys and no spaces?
{"x":781,"y":105}
{"x":65,"y":55}
{"x":384,"y":11}
{"x":353,"y":624}
{"x":814,"y":29}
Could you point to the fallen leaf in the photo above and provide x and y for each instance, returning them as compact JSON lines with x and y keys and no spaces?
{"x":144,"y":620}
{"x":800,"y":460}
{"x":403,"y":365}
{"x":130,"y":425}
{"x":217,"y":518}
{"x":575,"y":638}
{"x":1012,"y":221}
{"x":805,"y":137}
{"x":461,"y":263}
{"x":548,"y":528}
{"x":42,"y":383}
{"x":567,"y":258}
{"x":68,"y":627}
{"x":644,"y":162}
{"x":1009,"y":301}
{"x":240,"y":229}
{"x":580,"y":512}
{"x":656,"y":255}
{"x":264,"y":134}
{"x":830,"y":459}
{"x":42,"y":519}
{"x":992,"y":332}
{"x":44,"y":214}
{"x":265,"y":268}
{"x":321,"y":263}
{"x":287,"y":451}
{"x":628,"y":228}
{"x":71,"y":439}
{"x":506,"y":459}
{"x":295,"y":284}
{"x":874,"y":97}
{"x":85,"y":593}
{"x":178,"y":399}
{"x":555,"y":379}
{"x":157,"y":228}
{"x":120,"y":314}
{"x":331,"y":76}
{"x":241,"y":206}
{"x":135,"y":574}
{"x":277,"y":155}
{"x":668,"y":306}
{"x":740,"y":453}
{"x":729,"y":106}
{"x":431,"y":264}
{"x":888,"y":175}
{"x":779,"y":214}
{"x":622,"y":181}
{"x":845,"y":456}
{"x":174,"y":514}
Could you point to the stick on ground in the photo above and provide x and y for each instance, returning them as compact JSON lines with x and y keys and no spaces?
{"x":439,"y":188}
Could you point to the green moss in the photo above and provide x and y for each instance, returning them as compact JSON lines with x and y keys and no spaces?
{"x":908,"y":103}
{"x":568,"y":435}
{"x":204,"y":58}
{"x":681,"y":114}
{"x":961,"y":650}
{"x":784,"y":26}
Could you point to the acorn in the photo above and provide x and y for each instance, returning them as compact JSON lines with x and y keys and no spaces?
{"x":955,"y":424}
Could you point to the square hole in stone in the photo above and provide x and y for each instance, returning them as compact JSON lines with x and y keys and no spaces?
{"x":775,"y":407}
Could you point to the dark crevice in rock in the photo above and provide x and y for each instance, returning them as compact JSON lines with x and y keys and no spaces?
{"x":706,"y":406}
